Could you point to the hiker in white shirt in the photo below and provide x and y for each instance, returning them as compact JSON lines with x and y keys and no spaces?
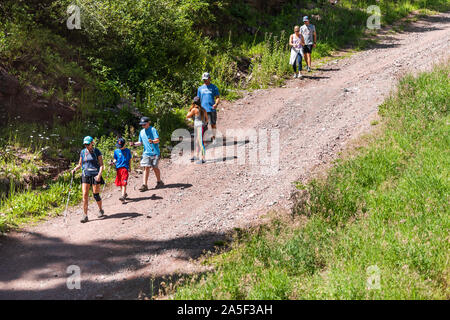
{"x":308,"y":31}
{"x":296,"y":42}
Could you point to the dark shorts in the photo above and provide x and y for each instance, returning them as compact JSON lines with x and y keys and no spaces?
{"x":308,"y":48}
{"x":212,"y":117}
{"x":91,"y":180}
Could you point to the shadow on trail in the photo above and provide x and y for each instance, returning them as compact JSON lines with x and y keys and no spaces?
{"x":431,"y":19}
{"x":418,"y":29}
{"x":223,"y":159}
{"x":153,"y":197}
{"x":232,"y":142}
{"x":327,"y":69}
{"x":436,"y":19}
{"x":173,"y":186}
{"x":383,"y":45}
{"x":409,"y":28}
{"x":315,"y":77}
{"x":127,"y":215}
{"x":43,"y":258}
{"x":225,"y":143}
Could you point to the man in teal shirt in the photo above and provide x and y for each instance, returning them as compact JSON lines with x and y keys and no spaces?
{"x":209,"y":99}
{"x":149,"y":138}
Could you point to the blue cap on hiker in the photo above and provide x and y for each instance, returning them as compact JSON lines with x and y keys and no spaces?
{"x":120,"y":143}
{"x":305,"y":18}
{"x":144,"y":120}
{"x":206,"y":76}
{"x":88,"y":140}
{"x":197,"y":101}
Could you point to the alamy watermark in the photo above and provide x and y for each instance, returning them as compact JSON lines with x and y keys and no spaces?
{"x":74,"y":20}
{"x":374,"y":21}
{"x":74,"y":280}
{"x":259,"y":149}
{"x":373,"y":277}
{"x":92,"y":15}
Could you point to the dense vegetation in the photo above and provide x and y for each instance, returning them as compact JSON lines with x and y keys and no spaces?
{"x":134,"y":57}
{"x":383,"y":209}
{"x":152,"y":53}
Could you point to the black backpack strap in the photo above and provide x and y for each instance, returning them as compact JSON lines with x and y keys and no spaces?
{"x":95,"y":156}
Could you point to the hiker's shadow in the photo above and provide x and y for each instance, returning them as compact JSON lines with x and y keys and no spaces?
{"x":223,"y":159}
{"x":327,"y":69}
{"x":126,"y":215}
{"x":233,"y":142}
{"x":153,"y":197}
{"x":172,"y":186}
{"x":384,"y":45}
{"x":315,"y":77}
{"x":226,"y":143}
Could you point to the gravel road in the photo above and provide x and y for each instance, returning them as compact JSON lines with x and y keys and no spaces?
{"x":159,"y":232}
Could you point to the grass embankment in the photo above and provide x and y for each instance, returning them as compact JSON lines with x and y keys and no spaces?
{"x":383,"y":210}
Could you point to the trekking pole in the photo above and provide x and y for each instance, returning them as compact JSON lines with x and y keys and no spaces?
{"x":103,"y":188}
{"x":108,"y":169}
{"x":151,"y":145}
{"x":68,"y":197}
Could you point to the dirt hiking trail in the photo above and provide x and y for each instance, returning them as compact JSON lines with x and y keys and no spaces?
{"x":159,"y":232}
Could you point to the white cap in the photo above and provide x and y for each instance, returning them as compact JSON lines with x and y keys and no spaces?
{"x":206,"y":76}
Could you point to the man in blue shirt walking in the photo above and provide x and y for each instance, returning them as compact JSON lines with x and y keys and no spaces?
{"x":209,"y":99}
{"x":149,"y":138}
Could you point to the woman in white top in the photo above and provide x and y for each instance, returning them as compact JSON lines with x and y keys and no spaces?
{"x":296,"y":42}
{"x":200,"y":118}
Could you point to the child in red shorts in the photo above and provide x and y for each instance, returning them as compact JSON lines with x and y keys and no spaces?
{"x":122,"y":162}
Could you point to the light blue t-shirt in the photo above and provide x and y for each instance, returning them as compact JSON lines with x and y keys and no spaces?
{"x":207,"y":95}
{"x":123,"y":158}
{"x":150,"y":149}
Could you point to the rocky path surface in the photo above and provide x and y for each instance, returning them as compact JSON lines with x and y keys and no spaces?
{"x":159,"y":232}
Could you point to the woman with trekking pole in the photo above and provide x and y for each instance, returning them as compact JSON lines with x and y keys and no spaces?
{"x":91,"y":162}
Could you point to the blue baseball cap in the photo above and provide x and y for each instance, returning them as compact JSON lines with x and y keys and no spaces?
{"x":88,"y":140}
{"x":144,"y":120}
{"x":305,"y":18}
{"x":120,"y":143}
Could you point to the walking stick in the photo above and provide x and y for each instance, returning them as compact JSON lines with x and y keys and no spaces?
{"x":68,"y":197}
{"x":103,"y":188}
